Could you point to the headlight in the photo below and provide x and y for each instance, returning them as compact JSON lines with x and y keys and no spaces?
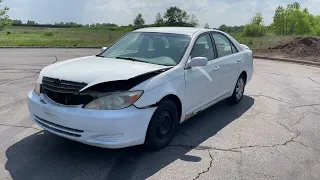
{"x":37,"y":88}
{"x":115,"y":101}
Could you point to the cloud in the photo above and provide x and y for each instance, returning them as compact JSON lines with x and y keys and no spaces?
{"x":122,"y":12}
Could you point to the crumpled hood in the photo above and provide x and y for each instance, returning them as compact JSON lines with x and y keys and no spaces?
{"x":94,"y":70}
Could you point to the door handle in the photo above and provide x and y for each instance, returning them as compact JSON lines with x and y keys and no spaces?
{"x":239,"y":60}
{"x":216,"y":68}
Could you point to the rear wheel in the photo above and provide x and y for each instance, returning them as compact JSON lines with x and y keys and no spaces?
{"x":238,"y":91}
{"x":162,"y":126}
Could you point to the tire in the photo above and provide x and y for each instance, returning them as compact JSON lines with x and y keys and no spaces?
{"x":162,"y":126}
{"x":238,"y":91}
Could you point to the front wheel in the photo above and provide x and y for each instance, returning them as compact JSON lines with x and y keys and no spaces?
{"x":162,"y":126}
{"x":238,"y":91}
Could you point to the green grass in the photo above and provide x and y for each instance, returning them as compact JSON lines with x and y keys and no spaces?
{"x":99,"y":37}
{"x":74,"y":37}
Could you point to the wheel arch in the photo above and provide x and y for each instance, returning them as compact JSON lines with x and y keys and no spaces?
{"x":176,"y":101}
{"x":245,"y":75}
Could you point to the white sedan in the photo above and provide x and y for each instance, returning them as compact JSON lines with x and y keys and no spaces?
{"x":139,"y":89}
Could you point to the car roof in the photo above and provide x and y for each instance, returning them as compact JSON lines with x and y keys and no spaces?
{"x":175,"y":30}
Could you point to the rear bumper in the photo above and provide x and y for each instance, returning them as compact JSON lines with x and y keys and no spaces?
{"x":108,"y":129}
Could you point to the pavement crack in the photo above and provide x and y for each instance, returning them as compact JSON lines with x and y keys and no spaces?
{"x":261,"y":95}
{"x":201,"y":148}
{"x":17,"y":126}
{"x":265,"y":146}
{"x":286,"y":127}
{"x":301,"y":143}
{"x":208,"y":168}
{"x":313,"y":80}
{"x":25,"y":77}
{"x":307,"y":105}
{"x":298,"y":121}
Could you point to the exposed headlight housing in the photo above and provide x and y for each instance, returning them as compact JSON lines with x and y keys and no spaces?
{"x":37,"y":88}
{"x":115,"y":101}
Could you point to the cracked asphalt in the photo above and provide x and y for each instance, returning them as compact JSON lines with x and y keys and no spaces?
{"x":274,"y":133}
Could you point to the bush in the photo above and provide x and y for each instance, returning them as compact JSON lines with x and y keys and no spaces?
{"x":8,"y":33}
{"x":317,"y":30}
{"x":254,"y":30}
{"x":48,"y":34}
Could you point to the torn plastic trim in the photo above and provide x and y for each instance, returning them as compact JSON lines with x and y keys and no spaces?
{"x":148,"y":106}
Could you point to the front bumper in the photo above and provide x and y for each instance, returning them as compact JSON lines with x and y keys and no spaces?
{"x":108,"y":129}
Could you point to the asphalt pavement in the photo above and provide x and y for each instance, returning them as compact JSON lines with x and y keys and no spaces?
{"x":274,"y":133}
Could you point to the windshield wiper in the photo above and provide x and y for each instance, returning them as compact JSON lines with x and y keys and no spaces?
{"x":98,"y":55}
{"x":131,"y":59}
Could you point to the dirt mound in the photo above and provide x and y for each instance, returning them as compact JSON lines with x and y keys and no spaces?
{"x":300,"y":47}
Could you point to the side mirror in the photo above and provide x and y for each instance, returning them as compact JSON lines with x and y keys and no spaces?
{"x":103,"y":49}
{"x":197,"y":61}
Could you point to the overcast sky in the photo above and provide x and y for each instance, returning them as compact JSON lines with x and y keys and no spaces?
{"x":122,"y":12}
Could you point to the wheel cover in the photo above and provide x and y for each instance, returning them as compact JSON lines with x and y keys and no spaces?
{"x":239,"y":88}
{"x":164,"y":125}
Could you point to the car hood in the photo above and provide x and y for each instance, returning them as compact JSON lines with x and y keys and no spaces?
{"x":93,"y":70}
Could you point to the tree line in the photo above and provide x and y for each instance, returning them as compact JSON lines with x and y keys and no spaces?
{"x":290,"y":20}
{"x":17,"y":22}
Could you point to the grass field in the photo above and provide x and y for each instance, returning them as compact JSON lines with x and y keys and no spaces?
{"x":74,"y":37}
{"x":98,"y":37}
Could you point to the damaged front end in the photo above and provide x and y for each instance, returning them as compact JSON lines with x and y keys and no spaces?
{"x":70,"y":94}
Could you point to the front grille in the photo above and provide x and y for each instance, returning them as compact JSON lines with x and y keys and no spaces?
{"x":65,"y":92}
{"x":62,"y":86}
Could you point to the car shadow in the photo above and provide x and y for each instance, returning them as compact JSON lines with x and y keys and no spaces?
{"x":47,"y":156}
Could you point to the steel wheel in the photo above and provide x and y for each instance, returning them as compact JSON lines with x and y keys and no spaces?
{"x":239,"y":88}
{"x":238,"y":91}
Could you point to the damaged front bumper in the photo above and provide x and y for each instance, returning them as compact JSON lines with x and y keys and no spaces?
{"x":102,"y":128}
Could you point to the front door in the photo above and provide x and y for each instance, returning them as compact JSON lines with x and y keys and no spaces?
{"x":201,"y":82}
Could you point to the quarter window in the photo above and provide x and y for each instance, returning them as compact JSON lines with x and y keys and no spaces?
{"x":203,"y":47}
{"x":223,"y":44}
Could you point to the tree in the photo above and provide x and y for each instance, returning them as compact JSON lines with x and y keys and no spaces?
{"x":295,"y":5}
{"x":138,"y":21}
{"x":159,"y":20}
{"x":223,"y":28}
{"x":256,"y":27}
{"x":31,"y":22}
{"x":176,"y":17}
{"x":207,"y":26}
{"x":257,"y":19}
{"x":4,"y":18}
{"x":279,"y":21}
{"x":293,"y":20}
{"x":193,"y":21}
{"x":16,"y":21}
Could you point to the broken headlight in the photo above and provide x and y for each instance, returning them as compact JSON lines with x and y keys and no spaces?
{"x":115,"y":101}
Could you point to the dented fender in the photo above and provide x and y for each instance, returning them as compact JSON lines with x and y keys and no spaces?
{"x":153,"y":96}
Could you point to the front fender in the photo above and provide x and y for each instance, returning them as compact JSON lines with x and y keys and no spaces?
{"x":153,"y":96}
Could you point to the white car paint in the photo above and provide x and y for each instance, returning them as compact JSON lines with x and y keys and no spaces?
{"x":127,"y":127}
{"x":94,"y":70}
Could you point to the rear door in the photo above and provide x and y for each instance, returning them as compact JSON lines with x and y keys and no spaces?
{"x":228,"y":57}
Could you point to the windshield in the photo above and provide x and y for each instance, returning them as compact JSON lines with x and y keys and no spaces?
{"x":156,"y":48}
